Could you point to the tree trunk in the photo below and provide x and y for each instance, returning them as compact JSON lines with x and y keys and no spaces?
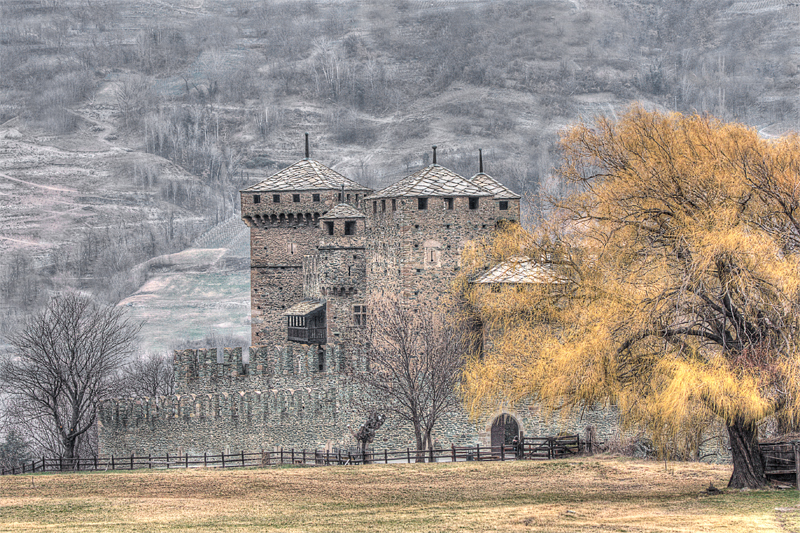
{"x":418,"y":435}
{"x":748,"y":468}
{"x":69,"y":450}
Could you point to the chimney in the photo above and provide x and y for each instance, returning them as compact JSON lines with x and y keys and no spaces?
{"x":306,"y":145}
{"x":480,"y":161}
{"x":434,"y":155}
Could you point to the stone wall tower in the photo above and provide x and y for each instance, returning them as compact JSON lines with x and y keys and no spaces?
{"x":342,"y":270}
{"x":419,"y":226}
{"x":283,"y":212}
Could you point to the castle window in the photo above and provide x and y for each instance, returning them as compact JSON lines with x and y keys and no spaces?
{"x":329,"y":227}
{"x":276,"y":198}
{"x":383,"y":206}
{"x":375,"y":206}
{"x":503,"y":205}
{"x":422,"y":203}
{"x":256,"y":198}
{"x":360,"y":315}
{"x":394,"y":205}
{"x":348,"y":197}
{"x":448,"y":204}
{"x":473,"y":202}
{"x":295,"y":197}
{"x":350,"y":227}
{"x":315,"y":197}
{"x":340,"y":197}
{"x":292,"y":249}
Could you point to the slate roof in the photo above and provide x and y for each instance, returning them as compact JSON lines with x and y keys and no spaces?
{"x":304,"y":308}
{"x":343,"y":211}
{"x":518,"y":270}
{"x":305,"y":175}
{"x":433,"y":180}
{"x":500,"y":191}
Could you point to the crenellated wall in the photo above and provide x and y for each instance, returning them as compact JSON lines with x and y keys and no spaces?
{"x":277,"y":397}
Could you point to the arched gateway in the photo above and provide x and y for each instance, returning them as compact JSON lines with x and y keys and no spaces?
{"x":504,"y":428}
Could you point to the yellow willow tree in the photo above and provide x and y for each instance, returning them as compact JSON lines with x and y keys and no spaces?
{"x":673,"y":289}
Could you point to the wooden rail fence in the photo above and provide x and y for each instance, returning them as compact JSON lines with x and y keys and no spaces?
{"x":781,"y":458}
{"x":541,"y":448}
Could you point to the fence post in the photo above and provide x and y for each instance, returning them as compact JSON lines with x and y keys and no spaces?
{"x":453,"y":451}
{"x":292,"y":455}
{"x":385,"y":456}
{"x":205,"y":459}
{"x":61,"y":463}
{"x":408,"y":453}
{"x":131,"y":461}
{"x":149,"y":461}
{"x":95,"y":463}
{"x":167,"y":460}
{"x":478,"y":451}
{"x":242,"y":458}
{"x":503,"y":451}
{"x":223,"y":458}
{"x":304,"y":456}
{"x":281,"y":454}
{"x":796,"y":447}
{"x":521,"y":451}
{"x":430,"y":453}
{"x":187,"y":459}
{"x":112,"y":461}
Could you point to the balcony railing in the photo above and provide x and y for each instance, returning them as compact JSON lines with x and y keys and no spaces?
{"x":307,"y":335}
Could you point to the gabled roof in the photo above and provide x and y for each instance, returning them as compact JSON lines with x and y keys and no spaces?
{"x":305,"y":175}
{"x":500,"y":191}
{"x":518,"y":270}
{"x":343,"y":211}
{"x":433,"y":180}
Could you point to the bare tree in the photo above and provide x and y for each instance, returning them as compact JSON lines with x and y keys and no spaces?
{"x":415,"y":359}
{"x":62,"y":364}
{"x":147,"y":376}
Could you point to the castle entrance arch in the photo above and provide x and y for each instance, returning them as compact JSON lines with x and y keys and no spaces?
{"x":504,"y":428}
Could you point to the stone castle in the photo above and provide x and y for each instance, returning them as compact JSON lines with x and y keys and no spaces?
{"x":321,"y":246}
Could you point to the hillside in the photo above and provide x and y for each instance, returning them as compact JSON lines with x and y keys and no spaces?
{"x":126,"y":128}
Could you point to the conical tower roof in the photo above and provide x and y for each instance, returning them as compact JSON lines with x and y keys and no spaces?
{"x":305,"y":175}
{"x":500,"y":191}
{"x":433,"y":180}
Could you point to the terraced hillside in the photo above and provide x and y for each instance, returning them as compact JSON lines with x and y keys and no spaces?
{"x":126,"y":128}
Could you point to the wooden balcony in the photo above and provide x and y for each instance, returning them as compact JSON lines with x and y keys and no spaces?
{"x":305,"y":323}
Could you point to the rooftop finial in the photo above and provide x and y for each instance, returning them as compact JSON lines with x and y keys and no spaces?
{"x":434,"y":154}
{"x":480,"y":161}
{"x":306,"y":145}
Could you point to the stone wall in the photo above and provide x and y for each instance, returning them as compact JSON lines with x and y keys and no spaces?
{"x":279,"y":398}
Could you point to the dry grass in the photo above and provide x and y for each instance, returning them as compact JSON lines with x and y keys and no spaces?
{"x":559,"y":496}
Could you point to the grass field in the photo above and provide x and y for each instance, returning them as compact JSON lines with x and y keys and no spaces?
{"x":587,"y":494}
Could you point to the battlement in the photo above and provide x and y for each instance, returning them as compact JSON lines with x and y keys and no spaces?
{"x":207,"y":370}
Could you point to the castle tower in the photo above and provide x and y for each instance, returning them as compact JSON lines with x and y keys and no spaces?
{"x":418,"y":228}
{"x":342,"y":270}
{"x":283,"y":212}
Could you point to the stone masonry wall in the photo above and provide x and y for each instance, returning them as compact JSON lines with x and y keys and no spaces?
{"x":279,"y":399}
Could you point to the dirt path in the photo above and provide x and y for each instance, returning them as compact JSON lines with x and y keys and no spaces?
{"x":48,"y":187}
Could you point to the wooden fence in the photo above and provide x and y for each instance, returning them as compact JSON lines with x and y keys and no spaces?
{"x":781,"y":459}
{"x":528,"y":448}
